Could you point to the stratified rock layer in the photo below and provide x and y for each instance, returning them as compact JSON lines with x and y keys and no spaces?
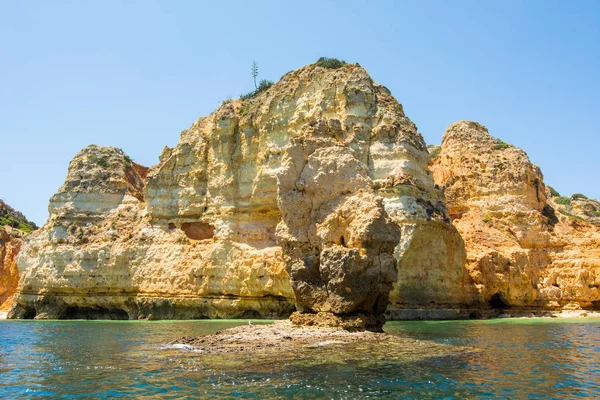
{"x":337,"y":239}
{"x":320,"y":175}
{"x":521,"y":252}
{"x":99,"y":256}
{"x":314,"y":195}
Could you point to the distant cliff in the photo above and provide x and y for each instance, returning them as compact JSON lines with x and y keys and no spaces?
{"x":13,"y":226}
{"x":527,"y":248}
{"x":314,"y":193}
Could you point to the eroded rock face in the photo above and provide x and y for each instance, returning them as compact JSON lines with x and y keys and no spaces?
{"x":316,"y":195}
{"x":13,"y":227}
{"x":317,"y":176}
{"x":10,"y":244}
{"x":521,"y":252}
{"x":337,"y":239}
{"x":99,"y":256}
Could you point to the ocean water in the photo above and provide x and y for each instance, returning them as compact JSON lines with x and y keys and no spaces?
{"x":512,"y":358}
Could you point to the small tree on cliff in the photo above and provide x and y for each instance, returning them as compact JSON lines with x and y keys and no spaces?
{"x":254,"y":72}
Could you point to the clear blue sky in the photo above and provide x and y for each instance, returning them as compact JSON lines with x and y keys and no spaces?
{"x":133,"y":74}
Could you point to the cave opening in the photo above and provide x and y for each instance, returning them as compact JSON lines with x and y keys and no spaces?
{"x":342,"y":241}
{"x":29,"y":313}
{"x":198,"y":230}
{"x":497,"y":302}
{"x":75,"y":312}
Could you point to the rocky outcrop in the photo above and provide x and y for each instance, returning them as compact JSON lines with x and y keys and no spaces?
{"x":10,"y":244}
{"x":101,"y":256}
{"x":311,"y":194}
{"x":524,"y":251}
{"x":577,"y":206}
{"x":337,"y":239}
{"x":267,"y":343}
{"x":316,"y":178}
{"x":13,"y":226}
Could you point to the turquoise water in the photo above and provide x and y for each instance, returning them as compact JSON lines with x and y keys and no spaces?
{"x":503,"y":359}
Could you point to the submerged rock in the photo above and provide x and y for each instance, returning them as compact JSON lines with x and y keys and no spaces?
{"x":310,"y":344}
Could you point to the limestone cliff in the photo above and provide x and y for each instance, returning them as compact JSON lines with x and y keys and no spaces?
{"x":323,"y":170}
{"x":311,"y":194}
{"x":524,"y":250}
{"x":13,"y":226}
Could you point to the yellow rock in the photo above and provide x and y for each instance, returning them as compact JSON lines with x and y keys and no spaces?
{"x":521,"y":251}
{"x":196,"y":235}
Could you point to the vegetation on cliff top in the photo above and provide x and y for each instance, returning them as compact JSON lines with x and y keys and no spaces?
{"x":501,"y":145}
{"x":553,"y":192}
{"x":565,"y":201}
{"x":262,"y":86}
{"x":13,"y":218}
{"x":330,"y":63}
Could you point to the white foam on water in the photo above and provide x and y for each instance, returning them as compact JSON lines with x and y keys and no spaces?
{"x":180,"y":346}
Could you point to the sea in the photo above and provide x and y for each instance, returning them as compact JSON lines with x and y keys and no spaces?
{"x":500,"y":359}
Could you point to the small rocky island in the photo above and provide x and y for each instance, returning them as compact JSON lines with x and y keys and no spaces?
{"x":314,"y":197}
{"x":313,"y":342}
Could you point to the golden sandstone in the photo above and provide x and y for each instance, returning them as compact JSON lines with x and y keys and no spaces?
{"x":319,"y":195}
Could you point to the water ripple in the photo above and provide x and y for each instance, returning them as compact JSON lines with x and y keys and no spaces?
{"x":514,"y":358}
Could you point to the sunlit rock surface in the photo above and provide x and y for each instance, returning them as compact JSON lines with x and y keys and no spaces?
{"x":524,"y":250}
{"x":201,"y":233}
{"x":13,"y":227}
{"x":315,"y":195}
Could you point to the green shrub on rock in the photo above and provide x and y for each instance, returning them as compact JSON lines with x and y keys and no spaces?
{"x":553,"y":192}
{"x":501,"y":145}
{"x":14,"y":219}
{"x":331,"y":63}
{"x":262,"y":86}
{"x":579,"y":196}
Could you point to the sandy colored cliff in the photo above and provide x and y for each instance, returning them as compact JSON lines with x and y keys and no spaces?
{"x":316,"y":194}
{"x":524,"y":250}
{"x":199,"y":234}
{"x":13,"y":226}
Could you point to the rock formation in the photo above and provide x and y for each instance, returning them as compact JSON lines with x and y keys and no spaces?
{"x":10,"y":244}
{"x":523,"y":250}
{"x":100,"y":255}
{"x":13,"y":226}
{"x":318,"y":176}
{"x":337,"y":239}
{"x":312,"y":194}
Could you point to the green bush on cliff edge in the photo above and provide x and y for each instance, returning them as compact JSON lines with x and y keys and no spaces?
{"x":262,"y":86}
{"x":14,"y":219}
{"x":565,"y":201}
{"x":579,"y":196}
{"x":331,"y":63}
{"x":24,"y":226}
{"x":553,"y":192}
